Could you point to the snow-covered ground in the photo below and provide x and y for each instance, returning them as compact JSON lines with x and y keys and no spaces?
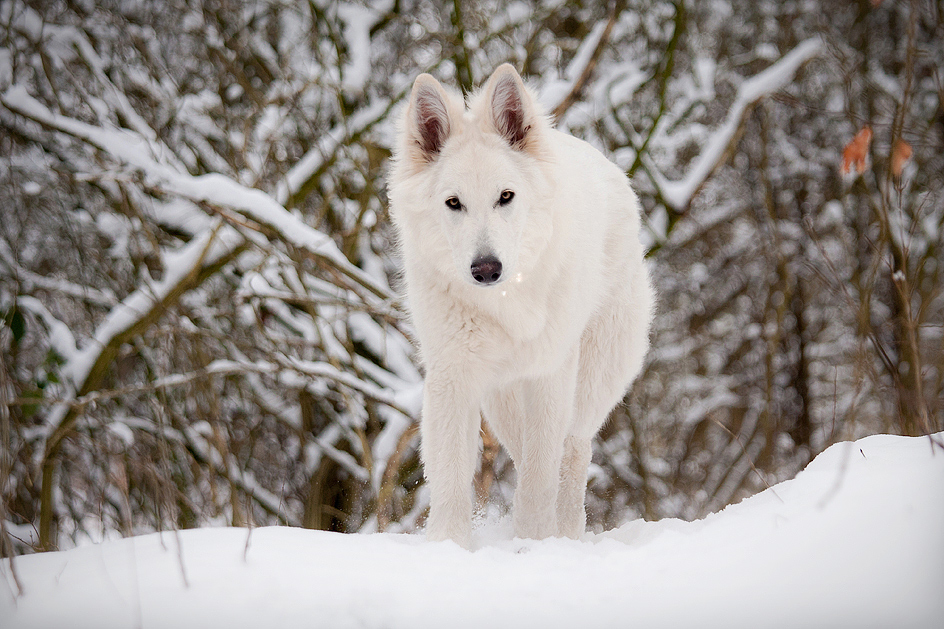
{"x":856,"y":540}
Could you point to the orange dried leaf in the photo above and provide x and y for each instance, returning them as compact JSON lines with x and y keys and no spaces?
{"x":901,"y":155}
{"x":855,"y":157}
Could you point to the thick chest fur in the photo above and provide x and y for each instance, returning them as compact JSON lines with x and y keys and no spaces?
{"x":516,"y":330}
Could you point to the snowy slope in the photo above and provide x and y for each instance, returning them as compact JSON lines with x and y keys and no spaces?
{"x":856,"y":540}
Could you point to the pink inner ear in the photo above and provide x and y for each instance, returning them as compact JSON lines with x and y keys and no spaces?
{"x":432,"y":123}
{"x":508,"y":112}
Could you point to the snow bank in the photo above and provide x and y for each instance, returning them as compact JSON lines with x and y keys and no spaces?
{"x":856,"y":540}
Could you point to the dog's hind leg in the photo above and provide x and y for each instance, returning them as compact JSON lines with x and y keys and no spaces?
{"x":611,"y":355}
{"x":550,"y":407}
{"x":571,"y":514}
{"x":504,"y":410}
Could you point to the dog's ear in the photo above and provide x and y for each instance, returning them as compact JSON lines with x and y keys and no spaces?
{"x":510,"y":106}
{"x":428,"y":125}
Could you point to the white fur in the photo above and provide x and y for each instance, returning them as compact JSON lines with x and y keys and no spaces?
{"x":546,"y":352}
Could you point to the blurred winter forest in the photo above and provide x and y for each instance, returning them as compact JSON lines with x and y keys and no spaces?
{"x":198,"y":280}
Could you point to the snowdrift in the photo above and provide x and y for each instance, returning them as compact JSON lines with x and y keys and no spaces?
{"x":855,"y":540}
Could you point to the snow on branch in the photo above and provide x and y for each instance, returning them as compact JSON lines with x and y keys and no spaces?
{"x":359,"y":21}
{"x":245,"y":480}
{"x":581,"y":67}
{"x":61,"y":339}
{"x":69,"y":40}
{"x":291,"y":370}
{"x":215,"y":189}
{"x":679,"y":194}
{"x":98,"y":296}
{"x":298,"y":178}
{"x":182,"y":267}
{"x":86,"y":367}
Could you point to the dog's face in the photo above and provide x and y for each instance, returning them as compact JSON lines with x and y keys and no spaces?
{"x":480,"y":180}
{"x":483,"y":204}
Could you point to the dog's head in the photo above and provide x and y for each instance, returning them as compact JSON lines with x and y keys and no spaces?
{"x":471,"y":179}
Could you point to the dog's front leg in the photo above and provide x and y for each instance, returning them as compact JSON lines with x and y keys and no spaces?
{"x":449,"y":432}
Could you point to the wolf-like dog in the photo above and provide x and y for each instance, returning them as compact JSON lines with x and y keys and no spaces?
{"x":528,"y":292}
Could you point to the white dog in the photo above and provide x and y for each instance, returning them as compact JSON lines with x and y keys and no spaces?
{"x":528,"y":291}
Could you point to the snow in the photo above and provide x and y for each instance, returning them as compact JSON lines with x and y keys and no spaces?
{"x":856,"y":540}
{"x":357,"y":21}
{"x":32,"y":188}
{"x":61,"y":339}
{"x":328,"y":145}
{"x":554,"y":92}
{"x":212,"y":188}
{"x":208,"y":247}
{"x":679,"y":194}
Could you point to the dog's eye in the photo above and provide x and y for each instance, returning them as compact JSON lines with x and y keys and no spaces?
{"x":506,"y":197}
{"x":453,"y":204}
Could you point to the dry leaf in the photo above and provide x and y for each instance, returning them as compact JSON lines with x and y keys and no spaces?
{"x":901,"y":155}
{"x":855,"y":157}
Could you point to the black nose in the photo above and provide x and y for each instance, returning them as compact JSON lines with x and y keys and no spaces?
{"x":486,"y":270}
